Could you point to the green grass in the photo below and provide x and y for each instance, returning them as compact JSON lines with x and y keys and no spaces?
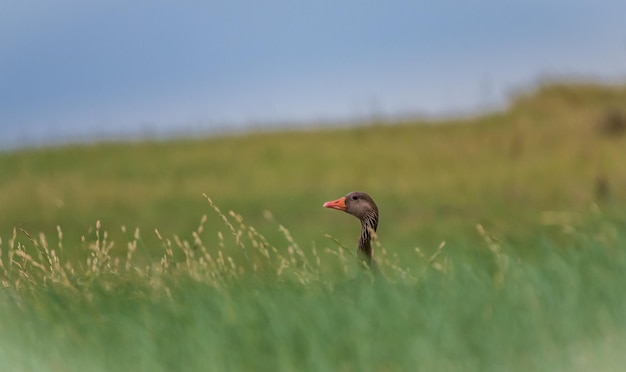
{"x":497,"y":249}
{"x":282,"y":307}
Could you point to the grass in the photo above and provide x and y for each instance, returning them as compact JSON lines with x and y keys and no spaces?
{"x":497,"y":250}
{"x":281,"y":307}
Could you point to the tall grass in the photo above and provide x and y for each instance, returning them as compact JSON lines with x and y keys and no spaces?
{"x":250,"y":303}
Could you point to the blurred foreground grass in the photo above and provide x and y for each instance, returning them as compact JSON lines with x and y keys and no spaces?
{"x":112,"y":259}
{"x":280,"y":306}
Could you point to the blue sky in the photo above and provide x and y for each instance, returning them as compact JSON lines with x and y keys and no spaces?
{"x":75,"y":69}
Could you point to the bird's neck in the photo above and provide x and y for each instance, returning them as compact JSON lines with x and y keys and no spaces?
{"x":369,"y":224}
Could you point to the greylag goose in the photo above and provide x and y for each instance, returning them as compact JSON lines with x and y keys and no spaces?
{"x":361,"y":206}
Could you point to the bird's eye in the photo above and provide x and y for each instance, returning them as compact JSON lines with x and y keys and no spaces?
{"x":354,"y":197}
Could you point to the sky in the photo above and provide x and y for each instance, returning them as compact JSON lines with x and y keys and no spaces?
{"x":76,"y":70}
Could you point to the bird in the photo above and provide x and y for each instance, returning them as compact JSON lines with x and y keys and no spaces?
{"x":361,"y":206}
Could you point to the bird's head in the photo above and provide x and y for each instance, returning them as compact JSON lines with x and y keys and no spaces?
{"x":358,"y":204}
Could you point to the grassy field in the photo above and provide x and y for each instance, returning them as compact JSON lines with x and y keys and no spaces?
{"x":501,"y":247}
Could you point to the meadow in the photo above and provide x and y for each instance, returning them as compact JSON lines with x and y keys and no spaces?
{"x":500,"y":246}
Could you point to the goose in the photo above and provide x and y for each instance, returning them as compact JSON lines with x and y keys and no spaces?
{"x":361,"y":206}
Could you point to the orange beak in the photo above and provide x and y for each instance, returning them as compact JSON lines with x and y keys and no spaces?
{"x":339,"y":204}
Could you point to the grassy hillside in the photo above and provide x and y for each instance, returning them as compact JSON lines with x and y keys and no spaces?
{"x":530,"y":203}
{"x":432,"y":182}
